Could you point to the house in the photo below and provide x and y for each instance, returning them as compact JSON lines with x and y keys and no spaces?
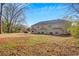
{"x":53,"y":27}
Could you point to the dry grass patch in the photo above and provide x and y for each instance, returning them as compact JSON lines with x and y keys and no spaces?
{"x":29,"y":44}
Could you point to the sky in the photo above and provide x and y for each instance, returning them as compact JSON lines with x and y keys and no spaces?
{"x":36,"y":12}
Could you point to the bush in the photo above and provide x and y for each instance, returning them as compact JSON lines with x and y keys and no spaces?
{"x":74,"y":31}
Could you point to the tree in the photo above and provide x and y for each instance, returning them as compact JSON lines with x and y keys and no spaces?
{"x":75,"y":10}
{"x":75,"y":7}
{"x":1,"y":7}
{"x":13,"y":14}
{"x":74,"y":29}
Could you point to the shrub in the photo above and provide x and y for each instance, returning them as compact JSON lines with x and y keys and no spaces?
{"x":74,"y":31}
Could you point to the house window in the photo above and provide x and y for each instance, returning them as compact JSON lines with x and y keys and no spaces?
{"x":51,"y":33}
{"x":32,"y":31}
{"x":56,"y":32}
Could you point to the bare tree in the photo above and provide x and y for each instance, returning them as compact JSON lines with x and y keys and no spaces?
{"x":13,"y":14}
{"x":73,"y":12}
{"x":75,"y":9}
{"x":1,"y":8}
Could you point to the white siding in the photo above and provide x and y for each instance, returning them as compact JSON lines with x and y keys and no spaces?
{"x":55,"y":29}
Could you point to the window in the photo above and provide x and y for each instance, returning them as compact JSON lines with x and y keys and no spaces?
{"x":32,"y":31}
{"x":51,"y":33}
{"x":56,"y":32}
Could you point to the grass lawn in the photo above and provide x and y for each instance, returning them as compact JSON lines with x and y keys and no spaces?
{"x":37,"y":45}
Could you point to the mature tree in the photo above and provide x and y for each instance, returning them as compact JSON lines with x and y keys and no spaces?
{"x":75,"y":7}
{"x":12,"y":15}
{"x":1,"y":8}
{"x":75,"y":10}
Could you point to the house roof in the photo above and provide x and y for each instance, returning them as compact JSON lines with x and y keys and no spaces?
{"x":57,"y":21}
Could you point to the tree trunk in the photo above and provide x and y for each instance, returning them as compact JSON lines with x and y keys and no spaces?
{"x":8,"y":28}
{"x":0,"y":22}
{"x":1,"y":18}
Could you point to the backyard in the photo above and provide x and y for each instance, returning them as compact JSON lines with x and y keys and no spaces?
{"x":23,"y":44}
